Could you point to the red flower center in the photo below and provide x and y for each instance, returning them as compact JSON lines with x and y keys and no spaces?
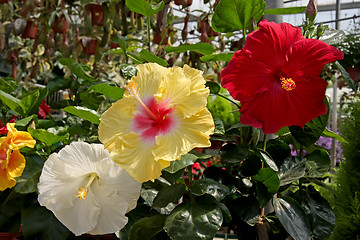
{"x":160,"y":122}
{"x":287,"y":83}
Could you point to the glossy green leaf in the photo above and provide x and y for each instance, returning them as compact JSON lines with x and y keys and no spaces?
{"x":12,"y":102}
{"x":149,"y":195}
{"x":46,"y":137}
{"x":278,"y":150}
{"x":113,"y":92}
{"x":293,"y":218}
{"x":147,"y":227}
{"x":269,"y":178}
{"x":8,"y":84}
{"x":149,"y":57}
{"x":198,"y":220}
{"x":291,"y":170}
{"x":267,"y":158}
{"x":331,"y":134}
{"x":234,"y":152}
{"x":213,"y":86}
{"x":234,"y":15}
{"x":172,"y":177}
{"x":84,"y":113}
{"x":209,"y":186}
{"x":349,"y":81}
{"x":76,"y":69}
{"x":246,"y":209}
{"x":219,"y":127}
{"x":312,"y":130}
{"x":251,"y":166}
{"x":202,"y":48}
{"x":28,"y":101}
{"x":25,"y":121}
{"x":319,"y":212}
{"x":225,"y":212}
{"x":186,"y":160}
{"x":143,"y":7}
{"x":224,"y":56}
{"x":40,"y":223}
{"x":318,"y":163}
{"x":27,"y":182}
{"x":169,"y":195}
{"x":283,"y":11}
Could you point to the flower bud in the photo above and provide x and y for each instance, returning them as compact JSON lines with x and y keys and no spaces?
{"x":311,"y":10}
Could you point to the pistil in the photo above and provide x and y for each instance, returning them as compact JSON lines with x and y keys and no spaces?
{"x":287,"y":83}
{"x":83,"y":191}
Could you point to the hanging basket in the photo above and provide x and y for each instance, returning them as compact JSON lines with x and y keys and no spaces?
{"x":89,"y":45}
{"x":354,"y":73}
{"x":96,"y":12}
{"x":30,"y":30}
{"x":60,"y":24}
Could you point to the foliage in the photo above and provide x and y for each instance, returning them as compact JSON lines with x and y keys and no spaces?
{"x":229,"y":184}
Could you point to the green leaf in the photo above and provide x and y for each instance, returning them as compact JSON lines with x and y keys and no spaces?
{"x":25,"y":121}
{"x":149,"y":57}
{"x":169,"y":195}
{"x":76,"y":69}
{"x":319,"y":212}
{"x":113,"y":92}
{"x":234,"y":15}
{"x":282,"y":11}
{"x":28,"y":181}
{"x":84,"y":113}
{"x":312,"y":130}
{"x":246,"y":209}
{"x":269,"y":178}
{"x":12,"y":102}
{"x":46,"y":137}
{"x":186,"y":160}
{"x":28,"y":101}
{"x":267,"y":158}
{"x":147,"y":227}
{"x":331,"y":134}
{"x":198,"y":220}
{"x":202,"y":48}
{"x":291,"y":170}
{"x":149,"y":195}
{"x":293,"y":218}
{"x":40,"y":223}
{"x":224,"y":56}
{"x":172,"y":177}
{"x":219,"y":127}
{"x":278,"y":150}
{"x":318,"y":163}
{"x":349,"y":81}
{"x":209,"y":186}
{"x":213,"y":86}
{"x":8,"y":84}
{"x":234,"y":153}
{"x":251,"y":166}
{"x":143,"y":7}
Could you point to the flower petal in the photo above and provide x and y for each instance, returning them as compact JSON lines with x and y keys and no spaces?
{"x":190,"y":133}
{"x":308,"y":57}
{"x":6,"y":181}
{"x":16,"y":164}
{"x":136,"y":158}
{"x":116,"y":121}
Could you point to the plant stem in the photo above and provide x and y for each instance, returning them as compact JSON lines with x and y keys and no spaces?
{"x":148,"y":32}
{"x":264,"y":143}
{"x":229,"y":100}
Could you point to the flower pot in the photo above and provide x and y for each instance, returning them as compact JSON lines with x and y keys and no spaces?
{"x":30,"y":30}
{"x":96,"y":12}
{"x":89,"y":45}
{"x":9,"y":236}
{"x":60,"y":24}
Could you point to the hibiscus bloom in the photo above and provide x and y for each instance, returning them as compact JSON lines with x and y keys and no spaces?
{"x":12,"y":162}
{"x":44,"y":110}
{"x":86,"y":190}
{"x":162,"y":116}
{"x":276,"y":77}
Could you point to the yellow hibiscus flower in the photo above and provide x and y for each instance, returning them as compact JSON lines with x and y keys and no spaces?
{"x":162,"y":116}
{"x":12,"y":162}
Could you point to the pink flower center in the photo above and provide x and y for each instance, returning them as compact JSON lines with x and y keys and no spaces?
{"x":160,"y":122}
{"x":287,"y":83}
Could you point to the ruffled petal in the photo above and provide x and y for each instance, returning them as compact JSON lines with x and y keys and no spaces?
{"x":6,"y":181}
{"x":19,"y":139}
{"x":190,"y":133}
{"x":16,"y":164}
{"x":136,"y":158}
{"x":116,"y":121}
{"x":242,"y":77}
{"x":307,"y":58}
{"x":271,"y":42}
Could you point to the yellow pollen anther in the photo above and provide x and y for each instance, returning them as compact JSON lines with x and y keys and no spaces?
{"x":287,"y":83}
{"x":133,"y":89}
{"x":83,"y":191}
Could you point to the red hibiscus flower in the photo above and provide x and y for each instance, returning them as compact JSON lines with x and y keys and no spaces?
{"x":276,"y":77}
{"x":3,"y":128}
{"x":44,"y":110}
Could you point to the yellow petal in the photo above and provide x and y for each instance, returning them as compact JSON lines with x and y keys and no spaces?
{"x":116,"y":121}
{"x":16,"y":164}
{"x":190,"y":133}
{"x":136,"y":158}
{"x":6,"y":181}
{"x":18,"y":139}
